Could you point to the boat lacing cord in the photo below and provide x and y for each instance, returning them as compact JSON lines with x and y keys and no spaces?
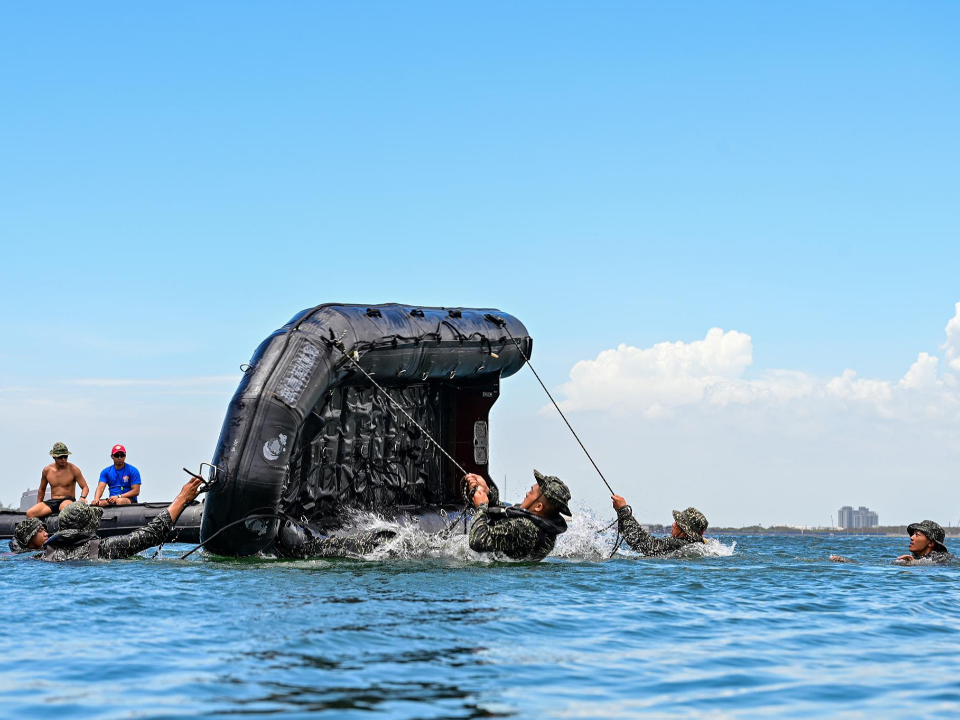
{"x":338,"y":344}
{"x":501,"y":323}
{"x":277,"y":515}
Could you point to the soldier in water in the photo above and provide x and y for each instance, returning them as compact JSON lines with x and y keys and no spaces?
{"x":688,"y":528}
{"x":296,"y":541}
{"x":926,"y":543}
{"x":527,"y":531}
{"x":63,"y":477}
{"x":29,"y":534}
{"x":76,"y":538}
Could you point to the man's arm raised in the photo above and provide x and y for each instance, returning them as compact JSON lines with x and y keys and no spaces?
{"x":188,"y":493}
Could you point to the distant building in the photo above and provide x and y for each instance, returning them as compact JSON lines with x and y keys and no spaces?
{"x":863,"y":517}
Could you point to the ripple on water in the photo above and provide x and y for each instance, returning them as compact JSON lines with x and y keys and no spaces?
{"x":753,"y":627}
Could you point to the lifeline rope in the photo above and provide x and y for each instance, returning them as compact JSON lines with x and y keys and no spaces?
{"x":500,"y":322}
{"x":273,"y":516}
{"x":338,"y":344}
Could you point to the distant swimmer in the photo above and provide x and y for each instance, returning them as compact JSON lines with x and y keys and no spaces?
{"x":29,"y":534}
{"x":63,"y":477}
{"x":76,"y":538}
{"x":926,"y":543}
{"x":527,"y":531}
{"x":688,"y":528}
{"x":122,"y":478}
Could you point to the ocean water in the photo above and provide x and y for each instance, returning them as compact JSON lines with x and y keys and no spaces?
{"x":751,"y":627}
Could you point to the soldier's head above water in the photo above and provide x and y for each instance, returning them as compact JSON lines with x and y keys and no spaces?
{"x":926,"y":537}
{"x":688,"y":528}
{"x":30,"y":534}
{"x":526,"y":531}
{"x":548,"y":496}
{"x":689,"y":523}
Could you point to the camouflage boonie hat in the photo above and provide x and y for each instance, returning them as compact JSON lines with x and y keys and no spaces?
{"x":80,"y":516}
{"x":25,"y":530}
{"x":60,"y":450}
{"x":554,"y":490}
{"x":932,"y":531}
{"x":692,"y":522}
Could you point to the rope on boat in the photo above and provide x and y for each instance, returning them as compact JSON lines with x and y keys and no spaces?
{"x":338,"y":344}
{"x":501,"y":323}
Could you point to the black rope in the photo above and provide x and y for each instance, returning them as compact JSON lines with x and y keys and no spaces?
{"x":273,"y":516}
{"x":338,"y":344}
{"x":502,"y":323}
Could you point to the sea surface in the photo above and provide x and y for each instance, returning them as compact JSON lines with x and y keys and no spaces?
{"x":753,"y":626}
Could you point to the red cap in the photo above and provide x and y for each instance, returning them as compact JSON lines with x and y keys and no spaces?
{"x":118,"y":448}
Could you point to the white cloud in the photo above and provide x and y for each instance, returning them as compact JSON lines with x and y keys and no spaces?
{"x":952,"y":344}
{"x":922,"y":374}
{"x":708,"y":375}
{"x":667,"y":374}
{"x":875,"y":393}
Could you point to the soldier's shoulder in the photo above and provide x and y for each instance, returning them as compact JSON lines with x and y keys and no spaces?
{"x":524,"y":524}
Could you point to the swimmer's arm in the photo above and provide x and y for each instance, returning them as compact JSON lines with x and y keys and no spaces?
{"x":841,"y":559}
{"x":641,"y":541}
{"x":154,"y":532}
{"x":635,"y":536}
{"x":124,"y":546}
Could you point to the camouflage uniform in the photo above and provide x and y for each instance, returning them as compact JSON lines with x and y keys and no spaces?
{"x":939,"y":555}
{"x":297,"y":542}
{"x":691,"y":521}
{"x":516,"y":532}
{"x":77,"y":537}
{"x":23,"y":533}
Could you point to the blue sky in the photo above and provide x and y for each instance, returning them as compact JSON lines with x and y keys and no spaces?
{"x":178,"y":181}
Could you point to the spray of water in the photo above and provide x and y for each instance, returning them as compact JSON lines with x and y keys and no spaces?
{"x":588,"y":539}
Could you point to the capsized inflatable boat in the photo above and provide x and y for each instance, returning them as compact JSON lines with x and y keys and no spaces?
{"x":308,"y":436}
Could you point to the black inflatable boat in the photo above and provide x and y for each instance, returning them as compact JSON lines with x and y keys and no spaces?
{"x":121,"y":520}
{"x":308,"y":436}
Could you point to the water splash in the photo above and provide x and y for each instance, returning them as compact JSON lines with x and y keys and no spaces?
{"x":589,"y":538}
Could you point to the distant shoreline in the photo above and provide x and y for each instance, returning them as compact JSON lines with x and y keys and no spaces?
{"x":882,"y":531}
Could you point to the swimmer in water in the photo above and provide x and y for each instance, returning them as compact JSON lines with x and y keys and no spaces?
{"x":926,"y":543}
{"x":688,"y":528}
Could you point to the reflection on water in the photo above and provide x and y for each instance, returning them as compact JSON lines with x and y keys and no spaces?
{"x":758,"y":627}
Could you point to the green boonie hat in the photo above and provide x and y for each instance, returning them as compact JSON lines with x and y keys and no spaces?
{"x":932,"y":531}
{"x":25,"y":530}
{"x":60,"y":450}
{"x":80,"y":516}
{"x":692,"y":522}
{"x":554,"y":490}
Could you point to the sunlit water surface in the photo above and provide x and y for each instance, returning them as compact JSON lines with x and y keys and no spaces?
{"x":754,"y":627}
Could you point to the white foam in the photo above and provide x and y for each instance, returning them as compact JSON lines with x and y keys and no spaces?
{"x":588,"y":538}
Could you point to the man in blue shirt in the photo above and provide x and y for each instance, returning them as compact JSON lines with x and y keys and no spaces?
{"x":122,"y":479}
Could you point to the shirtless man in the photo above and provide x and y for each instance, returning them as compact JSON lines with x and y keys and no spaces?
{"x":63,"y":477}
